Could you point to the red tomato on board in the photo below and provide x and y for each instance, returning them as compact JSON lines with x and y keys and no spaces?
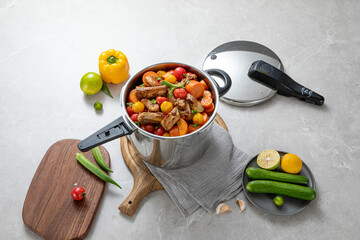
{"x":78,"y":193}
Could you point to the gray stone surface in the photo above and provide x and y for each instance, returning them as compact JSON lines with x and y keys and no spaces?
{"x":47,"y":46}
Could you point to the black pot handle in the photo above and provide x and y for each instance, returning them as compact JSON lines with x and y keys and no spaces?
{"x":224,"y":76}
{"x":273,"y":78}
{"x":115,"y":129}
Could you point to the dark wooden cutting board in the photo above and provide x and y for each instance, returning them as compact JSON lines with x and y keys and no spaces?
{"x":49,"y":209}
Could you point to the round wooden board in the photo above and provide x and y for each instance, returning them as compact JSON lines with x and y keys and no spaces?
{"x":144,"y":181}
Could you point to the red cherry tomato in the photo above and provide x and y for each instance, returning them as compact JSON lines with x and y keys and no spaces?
{"x":180,"y":93}
{"x":160,"y":131}
{"x":160,"y":100}
{"x":179,"y":73}
{"x":129,"y":111}
{"x":148,"y":127}
{"x":78,"y":193}
{"x":134,"y":117}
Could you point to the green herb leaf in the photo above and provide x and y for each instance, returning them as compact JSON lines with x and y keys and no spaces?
{"x":188,"y":81}
{"x":158,"y":78}
{"x":195,"y":125}
{"x":137,"y":123}
{"x":185,"y":74}
{"x":178,"y":123}
{"x":143,"y":85}
{"x":129,"y":104}
{"x":156,"y":127}
{"x":153,"y":101}
{"x":106,"y":90}
{"x":194,"y":111}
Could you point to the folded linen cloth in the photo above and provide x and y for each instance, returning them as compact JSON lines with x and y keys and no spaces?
{"x":215,"y":177}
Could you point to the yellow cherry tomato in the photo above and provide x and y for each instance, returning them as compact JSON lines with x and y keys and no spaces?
{"x":138,"y":107}
{"x":170,"y":78}
{"x":166,"y":107}
{"x":166,"y":134}
{"x":160,"y":73}
{"x":198,"y":119}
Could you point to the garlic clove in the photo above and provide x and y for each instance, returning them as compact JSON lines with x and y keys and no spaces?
{"x":222,"y":207}
{"x":242,"y":204}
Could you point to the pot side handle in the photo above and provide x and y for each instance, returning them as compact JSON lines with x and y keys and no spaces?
{"x":115,"y":129}
{"x":225,"y":77}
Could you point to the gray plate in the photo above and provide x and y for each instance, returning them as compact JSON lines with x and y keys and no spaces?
{"x":264,"y":201}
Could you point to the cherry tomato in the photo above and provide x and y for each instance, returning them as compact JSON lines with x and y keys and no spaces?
{"x":166,"y":107}
{"x":198,"y":119}
{"x":148,"y":127}
{"x":129,"y":111}
{"x":78,"y":193}
{"x":166,"y":74}
{"x":160,"y":131}
{"x":179,"y":73}
{"x":180,"y":93}
{"x":134,"y":117}
{"x":170,"y":78}
{"x":160,"y":100}
{"x":138,"y":107}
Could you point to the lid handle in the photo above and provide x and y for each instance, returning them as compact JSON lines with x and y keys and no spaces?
{"x":113,"y":130}
{"x":275,"y":79}
{"x":224,"y":76}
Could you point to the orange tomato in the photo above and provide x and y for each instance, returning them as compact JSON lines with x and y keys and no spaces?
{"x":132,"y":96}
{"x":147,"y":74}
{"x":174,"y":131}
{"x":205,"y":116}
{"x":192,"y":128}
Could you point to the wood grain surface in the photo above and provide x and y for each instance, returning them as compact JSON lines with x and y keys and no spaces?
{"x":144,"y":181}
{"x":49,"y":209}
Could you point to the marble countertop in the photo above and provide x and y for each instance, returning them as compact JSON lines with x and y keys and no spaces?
{"x":47,"y":46}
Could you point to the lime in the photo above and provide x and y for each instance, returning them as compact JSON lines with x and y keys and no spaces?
{"x":98,"y":106}
{"x":268,"y":159}
{"x":91,"y":83}
{"x":278,"y":200}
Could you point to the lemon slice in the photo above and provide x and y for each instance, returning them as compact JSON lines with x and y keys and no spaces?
{"x":268,"y":159}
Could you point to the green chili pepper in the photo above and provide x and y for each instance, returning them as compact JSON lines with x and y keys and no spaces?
{"x":106,"y":90}
{"x":99,"y":159}
{"x":94,"y":169}
{"x":172,"y":86}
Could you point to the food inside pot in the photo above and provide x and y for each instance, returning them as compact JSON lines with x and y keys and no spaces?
{"x":170,"y":104}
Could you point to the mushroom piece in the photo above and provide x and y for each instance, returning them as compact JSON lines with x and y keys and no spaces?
{"x":242,"y":204}
{"x":222,"y":207}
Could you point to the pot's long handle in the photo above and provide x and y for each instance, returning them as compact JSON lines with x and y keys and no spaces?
{"x":224,"y":76}
{"x":273,"y":78}
{"x":115,"y":129}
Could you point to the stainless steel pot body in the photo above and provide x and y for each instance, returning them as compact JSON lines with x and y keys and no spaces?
{"x":167,"y":152}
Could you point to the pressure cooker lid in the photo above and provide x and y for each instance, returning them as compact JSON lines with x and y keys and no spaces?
{"x":235,"y":58}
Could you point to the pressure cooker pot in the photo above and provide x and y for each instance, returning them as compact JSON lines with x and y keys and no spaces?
{"x":161,"y":151}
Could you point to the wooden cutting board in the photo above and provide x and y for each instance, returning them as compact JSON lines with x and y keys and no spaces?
{"x":49,"y":209}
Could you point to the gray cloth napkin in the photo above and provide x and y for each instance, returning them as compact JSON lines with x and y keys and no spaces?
{"x":214,"y":177}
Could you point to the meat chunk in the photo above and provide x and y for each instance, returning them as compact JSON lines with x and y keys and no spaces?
{"x":150,"y":106}
{"x":150,"y":117}
{"x":151,"y":81}
{"x":178,"y":102}
{"x":195,"y":104}
{"x":150,"y":92}
{"x":171,"y":119}
{"x":187,"y":114}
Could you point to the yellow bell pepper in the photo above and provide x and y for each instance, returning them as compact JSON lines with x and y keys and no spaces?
{"x":113,"y":66}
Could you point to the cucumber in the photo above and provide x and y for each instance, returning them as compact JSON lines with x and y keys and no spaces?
{"x":262,"y":174}
{"x":287,"y":189}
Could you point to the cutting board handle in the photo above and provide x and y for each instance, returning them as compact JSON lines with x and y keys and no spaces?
{"x":143,"y":185}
